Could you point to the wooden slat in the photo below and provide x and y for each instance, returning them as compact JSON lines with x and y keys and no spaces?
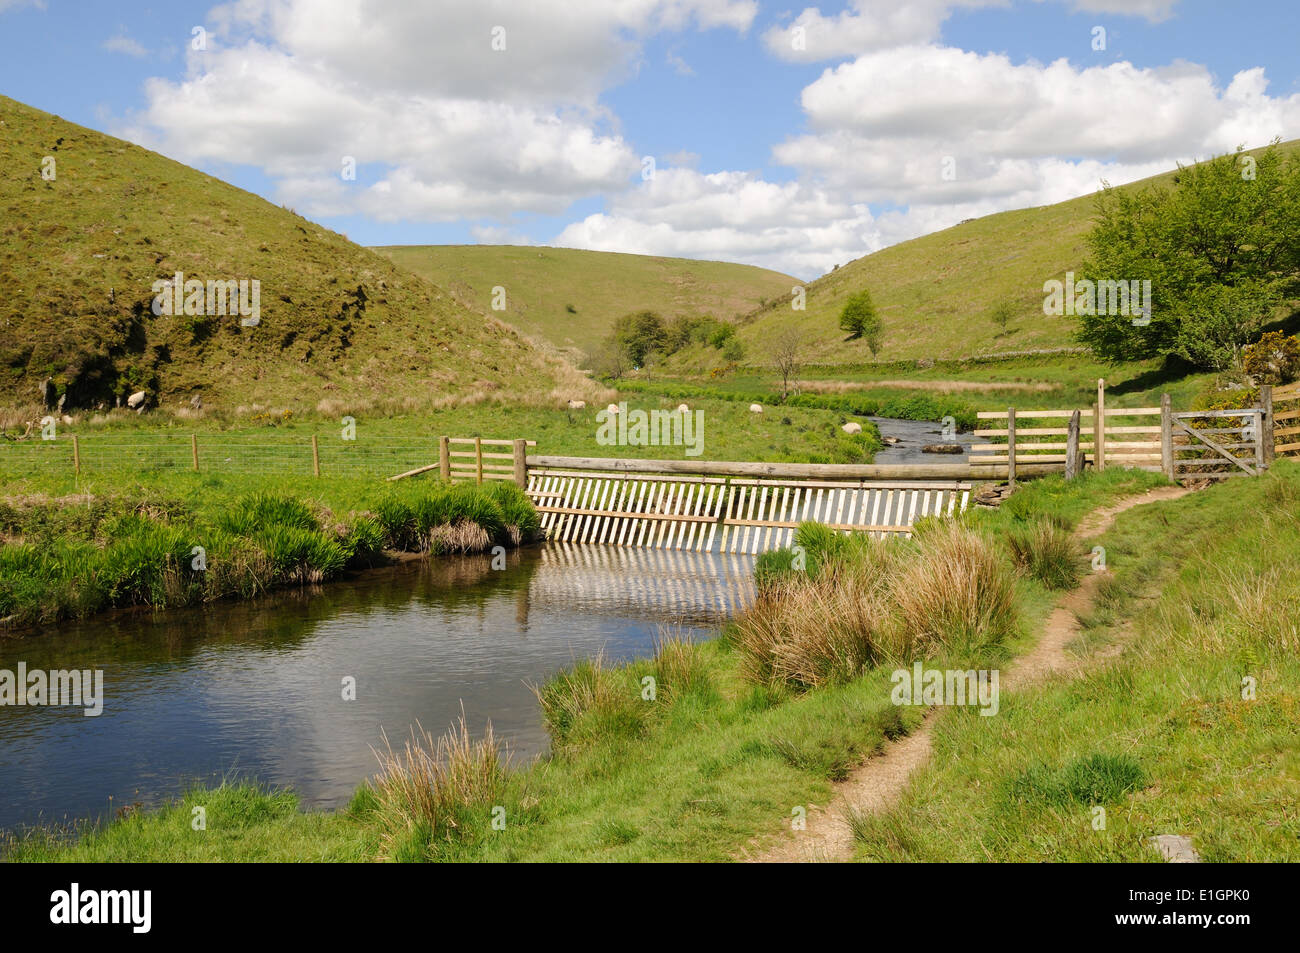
{"x":486,"y":442}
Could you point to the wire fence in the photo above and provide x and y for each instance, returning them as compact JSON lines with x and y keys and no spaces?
{"x":212,"y":453}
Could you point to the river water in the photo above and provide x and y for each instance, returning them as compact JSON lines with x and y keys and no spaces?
{"x":254,"y":690}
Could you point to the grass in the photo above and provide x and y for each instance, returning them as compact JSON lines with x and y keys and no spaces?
{"x":571,"y":297}
{"x":171,"y":542}
{"x":1188,"y":729}
{"x":693,"y":770}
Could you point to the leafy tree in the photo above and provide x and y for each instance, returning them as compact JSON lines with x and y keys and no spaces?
{"x":1002,"y":314}
{"x":640,"y":333}
{"x":859,"y":318}
{"x":1218,"y":248}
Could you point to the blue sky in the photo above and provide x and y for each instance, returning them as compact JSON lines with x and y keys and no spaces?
{"x":796,"y":162}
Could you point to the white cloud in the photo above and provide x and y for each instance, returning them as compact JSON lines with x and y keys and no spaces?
{"x":459,"y":128}
{"x":866,"y":26}
{"x":120,"y":42}
{"x":884,"y":130}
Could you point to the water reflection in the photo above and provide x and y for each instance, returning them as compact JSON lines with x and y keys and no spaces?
{"x":254,"y":689}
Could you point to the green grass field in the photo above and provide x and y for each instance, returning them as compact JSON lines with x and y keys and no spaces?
{"x":696,"y":774}
{"x":571,"y":298}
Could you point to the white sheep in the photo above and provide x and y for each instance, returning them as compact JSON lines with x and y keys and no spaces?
{"x":683,"y":409}
{"x":612,"y":408}
{"x":755,"y":408}
{"x":577,"y":405}
{"x":852,"y":427}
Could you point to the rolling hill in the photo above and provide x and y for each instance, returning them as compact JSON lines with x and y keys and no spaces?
{"x":935,"y":293}
{"x":542,"y":284}
{"x":91,"y":222}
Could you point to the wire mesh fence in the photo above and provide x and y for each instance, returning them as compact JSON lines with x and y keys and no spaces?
{"x":289,"y":455}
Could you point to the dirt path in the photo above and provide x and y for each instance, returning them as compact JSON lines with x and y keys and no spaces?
{"x":878,"y":784}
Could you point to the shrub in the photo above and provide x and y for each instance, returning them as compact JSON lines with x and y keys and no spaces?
{"x":1047,"y":552}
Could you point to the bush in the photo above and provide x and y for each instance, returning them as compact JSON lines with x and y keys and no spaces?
{"x":1273,"y":359}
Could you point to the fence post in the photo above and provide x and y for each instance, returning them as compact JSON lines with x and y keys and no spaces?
{"x":1072,"y":448}
{"x":444,"y":458}
{"x":478,"y":459}
{"x":315,"y":456}
{"x":521,"y":463}
{"x":1167,"y":436}
{"x":194,"y":450}
{"x":1099,"y":426}
{"x":1011,"y":446}
{"x":76,"y":456}
{"x":1266,"y":429}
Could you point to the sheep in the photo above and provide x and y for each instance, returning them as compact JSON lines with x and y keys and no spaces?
{"x":577,"y":405}
{"x":852,"y":427}
{"x":755,"y":408}
{"x":612,"y":408}
{"x":683,"y":409}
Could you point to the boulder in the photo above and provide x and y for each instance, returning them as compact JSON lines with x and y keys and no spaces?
{"x":852,"y":427}
{"x":890,"y":440}
{"x":943,"y":448}
{"x":755,"y":408}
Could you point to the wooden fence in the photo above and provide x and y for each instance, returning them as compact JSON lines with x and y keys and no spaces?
{"x":1282,"y":419}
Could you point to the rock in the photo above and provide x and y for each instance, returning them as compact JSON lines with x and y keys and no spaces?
{"x":612,"y":408}
{"x":943,"y":448}
{"x":47,"y":394}
{"x":890,"y":440}
{"x":1175,"y":848}
{"x":136,"y":400}
{"x":852,"y":427}
{"x":925,"y":363}
{"x":992,"y":494}
{"x":683,"y":409}
{"x":755,"y":408}
{"x":577,"y":405}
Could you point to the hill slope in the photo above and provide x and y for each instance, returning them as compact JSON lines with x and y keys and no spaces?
{"x":935,"y":293}
{"x":541,"y":283}
{"x":79,"y":253}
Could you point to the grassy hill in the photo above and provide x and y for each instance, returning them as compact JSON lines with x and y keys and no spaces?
{"x":935,"y":293}
{"x":571,"y":297}
{"x":341,"y":326}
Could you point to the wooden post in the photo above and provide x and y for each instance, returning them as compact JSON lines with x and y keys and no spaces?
{"x":521,"y":463}
{"x":315,"y":456}
{"x":478,"y":459}
{"x":1099,"y":426}
{"x":1167,"y":436}
{"x":76,"y":456}
{"x":1257,"y":425}
{"x":444,"y":458}
{"x":194,"y":450}
{"x":1072,"y":448}
{"x":1267,"y":439}
{"x":1011,"y":446}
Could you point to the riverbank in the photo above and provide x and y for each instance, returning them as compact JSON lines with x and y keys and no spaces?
{"x":720,"y":753}
{"x":178,"y":538}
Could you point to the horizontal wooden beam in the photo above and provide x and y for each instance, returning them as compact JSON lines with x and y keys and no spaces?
{"x":810,"y":471}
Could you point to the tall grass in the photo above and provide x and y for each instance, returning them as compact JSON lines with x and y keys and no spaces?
{"x":1047,"y":551}
{"x":432,"y":789}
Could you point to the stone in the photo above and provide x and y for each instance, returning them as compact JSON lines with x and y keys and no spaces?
{"x":943,"y":448}
{"x":1175,"y":848}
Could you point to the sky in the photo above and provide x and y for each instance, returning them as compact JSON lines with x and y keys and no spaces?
{"x":795,"y":138}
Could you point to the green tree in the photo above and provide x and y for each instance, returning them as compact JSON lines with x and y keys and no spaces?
{"x":1002,"y":314}
{"x":859,"y":318}
{"x":1218,"y":248}
{"x":640,"y":333}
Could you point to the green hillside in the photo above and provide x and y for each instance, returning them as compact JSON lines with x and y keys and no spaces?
{"x":935,"y":294}
{"x":340,"y":326}
{"x":542,"y":284}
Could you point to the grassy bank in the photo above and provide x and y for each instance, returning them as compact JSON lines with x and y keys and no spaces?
{"x":736,"y":735}
{"x":1189,"y":729}
{"x":183,"y":538}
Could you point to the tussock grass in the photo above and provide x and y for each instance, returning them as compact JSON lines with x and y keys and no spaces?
{"x":1047,"y":551}
{"x":431,"y":788}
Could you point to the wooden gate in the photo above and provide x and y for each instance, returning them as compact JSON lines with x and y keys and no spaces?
{"x":738,"y":515}
{"x":1210,"y":444}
